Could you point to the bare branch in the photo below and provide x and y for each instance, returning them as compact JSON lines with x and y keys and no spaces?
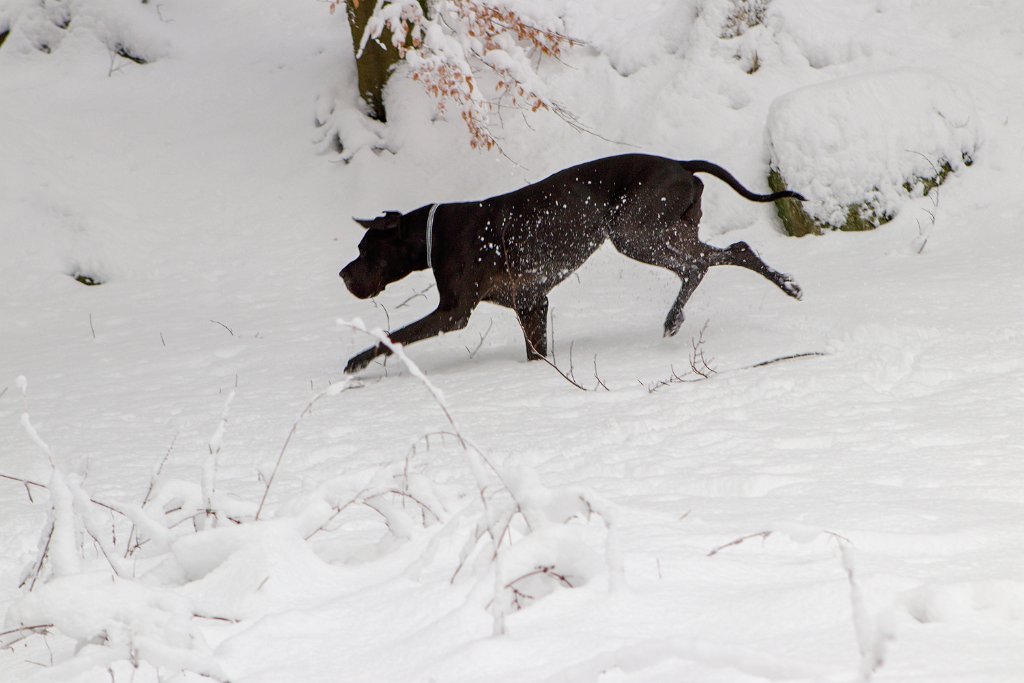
{"x":129,"y":548}
{"x":21,"y":629}
{"x":741,"y":539}
{"x":481,"y":342}
{"x":554,"y":367}
{"x":405,"y":494}
{"x":28,"y":482}
{"x":600,"y":382}
{"x":789,"y":357}
{"x":338,"y":509}
{"x":331,"y":390}
{"x":230,"y":331}
{"x":416,"y":295}
{"x":387,"y":316}
{"x":38,"y":570}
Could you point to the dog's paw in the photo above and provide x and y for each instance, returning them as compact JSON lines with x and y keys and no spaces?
{"x":360,"y":361}
{"x":789,"y":286}
{"x":672,"y":325}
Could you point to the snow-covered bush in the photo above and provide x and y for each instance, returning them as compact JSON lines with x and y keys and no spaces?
{"x":743,"y":15}
{"x":129,"y":29}
{"x":126,"y":582}
{"x":860,"y":147}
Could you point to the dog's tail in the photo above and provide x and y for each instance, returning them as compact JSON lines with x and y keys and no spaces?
{"x":726,"y":177}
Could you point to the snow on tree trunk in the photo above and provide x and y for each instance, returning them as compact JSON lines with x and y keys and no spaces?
{"x":447,"y":43}
{"x":376,"y":60}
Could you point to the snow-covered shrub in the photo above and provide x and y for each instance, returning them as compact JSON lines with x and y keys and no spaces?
{"x":129,"y":29}
{"x":860,"y":147}
{"x":523,"y":544}
{"x":126,"y":582}
{"x":28,"y":26}
{"x":630,"y":36}
{"x":538,"y":542}
{"x":116,"y":620}
{"x":743,"y":15}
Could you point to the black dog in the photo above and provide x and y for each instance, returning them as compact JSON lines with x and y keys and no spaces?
{"x":513,"y":249}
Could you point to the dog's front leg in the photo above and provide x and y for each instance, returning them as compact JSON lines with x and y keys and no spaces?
{"x":444,"y":319}
{"x":533,"y":318}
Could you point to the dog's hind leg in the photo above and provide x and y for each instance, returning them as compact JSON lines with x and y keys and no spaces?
{"x":740,"y":254}
{"x":677,"y":249}
{"x":533,"y":316}
{"x":690,"y":277}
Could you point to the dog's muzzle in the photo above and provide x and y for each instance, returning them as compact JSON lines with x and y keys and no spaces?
{"x":356,"y":288}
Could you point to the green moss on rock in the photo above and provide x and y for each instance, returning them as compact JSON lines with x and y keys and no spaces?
{"x":941,"y":173}
{"x":859,"y":217}
{"x":795,"y":221}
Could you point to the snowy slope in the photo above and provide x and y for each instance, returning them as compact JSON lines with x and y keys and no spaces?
{"x":889,"y":471}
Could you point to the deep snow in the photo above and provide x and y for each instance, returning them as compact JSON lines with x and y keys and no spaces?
{"x":200,"y":189}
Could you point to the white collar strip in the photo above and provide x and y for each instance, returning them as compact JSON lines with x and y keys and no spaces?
{"x":430,"y":234}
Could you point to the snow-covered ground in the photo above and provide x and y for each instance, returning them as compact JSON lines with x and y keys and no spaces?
{"x":879,"y":486}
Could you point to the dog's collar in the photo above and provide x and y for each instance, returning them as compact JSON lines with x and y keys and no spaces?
{"x":430,"y":235}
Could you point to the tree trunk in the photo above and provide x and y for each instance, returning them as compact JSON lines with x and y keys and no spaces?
{"x":378,"y":59}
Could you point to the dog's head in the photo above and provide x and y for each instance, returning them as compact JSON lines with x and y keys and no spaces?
{"x":386,"y":255}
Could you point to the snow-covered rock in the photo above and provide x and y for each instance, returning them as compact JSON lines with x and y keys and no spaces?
{"x":859,"y":147}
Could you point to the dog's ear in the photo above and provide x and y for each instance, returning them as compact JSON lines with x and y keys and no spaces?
{"x":389,"y":221}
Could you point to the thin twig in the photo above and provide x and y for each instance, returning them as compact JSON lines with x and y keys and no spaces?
{"x":554,"y":367}
{"x":29,"y":482}
{"x":399,"y":351}
{"x":572,"y":370}
{"x":702,"y":374}
{"x":481,"y":342}
{"x":505,"y":529}
{"x":468,"y":551}
{"x":404,"y":494}
{"x":26,"y":482}
{"x":741,"y":539}
{"x":704,"y":371}
{"x":37,"y":572}
{"x":387,"y":316}
{"x":930,"y":162}
{"x":24,"y":628}
{"x":115,"y":565}
{"x":789,"y":357}
{"x":129,"y":549}
{"x":548,"y":570}
{"x":230,"y":331}
{"x":224,"y":619}
{"x":416,"y":295}
{"x":338,"y":509}
{"x":600,"y":382}
{"x":332,"y":390}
